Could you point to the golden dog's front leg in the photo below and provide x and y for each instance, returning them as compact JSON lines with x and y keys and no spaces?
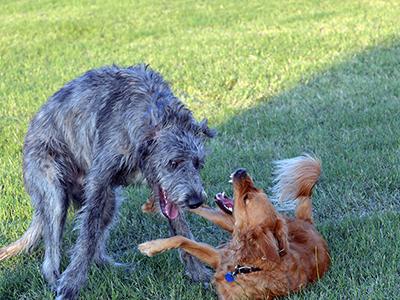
{"x":219,"y":218}
{"x":204,"y":252}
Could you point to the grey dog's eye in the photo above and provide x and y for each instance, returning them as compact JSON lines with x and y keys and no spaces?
{"x":173,"y":164}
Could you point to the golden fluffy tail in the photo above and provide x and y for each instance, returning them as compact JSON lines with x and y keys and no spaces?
{"x":294,"y":180}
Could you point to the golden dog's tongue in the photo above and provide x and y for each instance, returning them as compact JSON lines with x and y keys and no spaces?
{"x":224,"y":202}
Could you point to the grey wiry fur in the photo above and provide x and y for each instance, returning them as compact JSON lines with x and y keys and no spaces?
{"x":108,"y":128}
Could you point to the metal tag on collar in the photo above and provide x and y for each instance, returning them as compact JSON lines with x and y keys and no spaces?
{"x":230,"y":276}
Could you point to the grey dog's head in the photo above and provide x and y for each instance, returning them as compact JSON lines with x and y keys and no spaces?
{"x":172,"y":156}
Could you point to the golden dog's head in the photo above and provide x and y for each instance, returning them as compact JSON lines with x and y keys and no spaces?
{"x":257,"y":224}
{"x":252,"y":207}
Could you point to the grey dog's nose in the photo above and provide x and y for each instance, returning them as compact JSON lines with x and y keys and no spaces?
{"x":194,"y":201}
{"x":240,"y":173}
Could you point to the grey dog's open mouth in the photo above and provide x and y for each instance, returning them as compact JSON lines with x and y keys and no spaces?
{"x":169,"y":209}
{"x":224,"y":202}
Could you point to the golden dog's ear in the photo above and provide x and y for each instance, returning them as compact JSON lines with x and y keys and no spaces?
{"x":281,"y":235}
{"x":258,"y":244}
{"x":268,"y":248}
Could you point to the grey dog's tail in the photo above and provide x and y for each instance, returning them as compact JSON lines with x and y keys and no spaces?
{"x":294,"y":182}
{"x":27,"y":242}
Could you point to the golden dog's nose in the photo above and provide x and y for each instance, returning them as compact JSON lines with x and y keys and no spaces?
{"x":240,"y":173}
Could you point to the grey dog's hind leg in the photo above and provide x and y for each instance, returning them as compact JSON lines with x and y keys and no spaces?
{"x":194,"y":268}
{"x":50,"y":202}
{"x":52,"y":235}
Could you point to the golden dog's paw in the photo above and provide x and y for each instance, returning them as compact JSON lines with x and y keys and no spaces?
{"x":149,"y":206}
{"x":149,"y":248}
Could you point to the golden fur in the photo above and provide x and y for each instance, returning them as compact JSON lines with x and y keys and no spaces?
{"x":289,"y":251}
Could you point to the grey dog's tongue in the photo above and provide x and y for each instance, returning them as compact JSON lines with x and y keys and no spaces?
{"x":171,"y":210}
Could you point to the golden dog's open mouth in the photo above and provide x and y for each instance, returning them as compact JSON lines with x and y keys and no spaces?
{"x":224,"y":203}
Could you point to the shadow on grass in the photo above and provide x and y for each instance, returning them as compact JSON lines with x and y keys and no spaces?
{"x":349,"y":116}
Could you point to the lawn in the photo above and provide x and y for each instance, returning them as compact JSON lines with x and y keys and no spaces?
{"x":276,"y":78}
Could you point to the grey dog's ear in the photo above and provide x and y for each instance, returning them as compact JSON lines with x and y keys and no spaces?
{"x":204,"y":129}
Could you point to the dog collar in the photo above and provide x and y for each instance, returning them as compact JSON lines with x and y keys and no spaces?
{"x":230,"y":276}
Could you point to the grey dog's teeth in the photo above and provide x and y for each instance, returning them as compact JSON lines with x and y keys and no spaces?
{"x":165,"y":196}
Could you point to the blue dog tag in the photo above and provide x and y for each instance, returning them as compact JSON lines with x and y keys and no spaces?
{"x":229,"y":277}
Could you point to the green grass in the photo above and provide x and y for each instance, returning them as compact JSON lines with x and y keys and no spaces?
{"x":275,"y":78}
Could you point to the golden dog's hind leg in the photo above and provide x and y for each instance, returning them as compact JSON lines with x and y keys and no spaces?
{"x":219,"y":218}
{"x":203,"y":252}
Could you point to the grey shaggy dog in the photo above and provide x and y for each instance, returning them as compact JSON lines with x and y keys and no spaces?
{"x":106,"y":129}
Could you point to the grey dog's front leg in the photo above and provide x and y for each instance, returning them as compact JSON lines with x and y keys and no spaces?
{"x":195,"y":269}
